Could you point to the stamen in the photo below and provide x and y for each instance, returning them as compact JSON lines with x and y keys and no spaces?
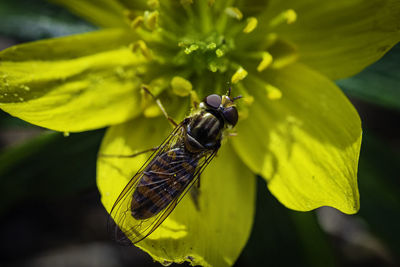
{"x":137,"y":22}
{"x":288,"y":16}
{"x":239,"y":75}
{"x":191,"y":48}
{"x":234,"y":12}
{"x":251,"y":25}
{"x":151,"y":20}
{"x":142,"y":47}
{"x":273,"y":93}
{"x":181,"y":86}
{"x":265,"y":62}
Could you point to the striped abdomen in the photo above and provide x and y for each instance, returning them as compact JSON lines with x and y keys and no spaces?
{"x":164,"y":179}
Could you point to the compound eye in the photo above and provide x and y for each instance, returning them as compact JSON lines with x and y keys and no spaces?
{"x":213,"y":101}
{"x":231,"y":115}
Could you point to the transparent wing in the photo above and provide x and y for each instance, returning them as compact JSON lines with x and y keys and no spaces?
{"x":172,"y":180}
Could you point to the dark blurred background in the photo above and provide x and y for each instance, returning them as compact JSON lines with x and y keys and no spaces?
{"x":50,"y":209}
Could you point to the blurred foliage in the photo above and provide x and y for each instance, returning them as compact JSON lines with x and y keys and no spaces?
{"x":28,"y":20}
{"x":378,"y":83}
{"x":379,"y":184}
{"x":282,"y":237}
{"x":48,"y":166}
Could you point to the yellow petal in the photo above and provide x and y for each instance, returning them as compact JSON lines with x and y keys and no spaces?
{"x":215,"y":234}
{"x":306,"y":144}
{"x":73,"y":83}
{"x":104,"y":13}
{"x":340,"y":38}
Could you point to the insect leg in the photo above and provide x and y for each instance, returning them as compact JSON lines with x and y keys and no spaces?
{"x":129,"y":156}
{"x":160,"y":105}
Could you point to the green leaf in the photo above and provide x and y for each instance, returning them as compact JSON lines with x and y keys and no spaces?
{"x":306,"y":144}
{"x":104,"y":13}
{"x":282,"y":237}
{"x":33,"y":20}
{"x":340,"y":38}
{"x":47,"y":167}
{"x":379,"y":83}
{"x":215,"y":234}
{"x":72,"y":83}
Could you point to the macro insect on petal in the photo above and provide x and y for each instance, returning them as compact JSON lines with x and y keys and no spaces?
{"x":168,"y":174}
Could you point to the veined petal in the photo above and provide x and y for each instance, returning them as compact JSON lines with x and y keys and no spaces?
{"x":340,"y":38}
{"x":306,"y":144}
{"x":215,"y":234}
{"x":73,"y":83}
{"x":104,"y":13}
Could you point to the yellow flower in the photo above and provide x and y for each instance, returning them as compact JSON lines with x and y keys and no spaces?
{"x":296,"y":129}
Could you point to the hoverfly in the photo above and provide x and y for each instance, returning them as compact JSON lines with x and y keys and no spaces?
{"x":171,"y":170}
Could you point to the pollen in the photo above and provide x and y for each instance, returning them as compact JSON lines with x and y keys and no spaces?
{"x":191,"y":48}
{"x":181,"y":86}
{"x":239,"y":75}
{"x":234,"y":12}
{"x":265,"y":62}
{"x":251,"y":25}
{"x":211,"y":46}
{"x":219,"y":52}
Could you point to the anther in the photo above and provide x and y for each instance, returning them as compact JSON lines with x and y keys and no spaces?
{"x":288,"y":16}
{"x":239,"y":75}
{"x":234,"y":12}
{"x":151,"y":20}
{"x":142,"y":47}
{"x":273,"y":93}
{"x":251,"y":25}
{"x":265,"y":62}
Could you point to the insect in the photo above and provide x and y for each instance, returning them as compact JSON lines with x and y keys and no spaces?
{"x":168,"y":174}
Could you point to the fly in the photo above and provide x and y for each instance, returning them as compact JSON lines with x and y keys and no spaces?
{"x":169,"y":173}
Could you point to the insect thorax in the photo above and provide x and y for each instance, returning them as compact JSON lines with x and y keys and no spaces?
{"x":204,"y":131}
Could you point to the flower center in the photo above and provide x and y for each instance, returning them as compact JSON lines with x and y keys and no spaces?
{"x":205,"y":52}
{"x":212,"y":43}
